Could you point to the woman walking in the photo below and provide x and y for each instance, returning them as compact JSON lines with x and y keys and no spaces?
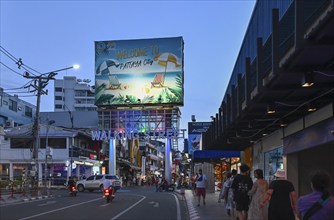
{"x":257,"y":192}
{"x":282,"y":197}
{"x":319,"y":204}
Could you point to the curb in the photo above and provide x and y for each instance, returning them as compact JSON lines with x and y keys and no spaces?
{"x":26,"y":199}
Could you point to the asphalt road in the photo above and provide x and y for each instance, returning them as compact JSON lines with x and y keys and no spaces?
{"x":135,"y":203}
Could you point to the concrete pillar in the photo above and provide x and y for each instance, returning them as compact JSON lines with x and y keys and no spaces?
{"x":112,"y":157}
{"x":78,"y":170}
{"x":40,"y":172}
{"x":11,"y":171}
{"x":168,"y":160}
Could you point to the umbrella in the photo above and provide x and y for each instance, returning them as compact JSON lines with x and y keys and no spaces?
{"x":103,"y":68}
{"x":164,"y":58}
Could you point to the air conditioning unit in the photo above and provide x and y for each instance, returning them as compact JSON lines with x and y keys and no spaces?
{"x":9,"y":124}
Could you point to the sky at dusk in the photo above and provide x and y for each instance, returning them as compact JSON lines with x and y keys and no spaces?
{"x":51,"y":35}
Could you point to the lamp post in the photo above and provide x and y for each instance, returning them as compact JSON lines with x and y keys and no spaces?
{"x":46,"y":152}
{"x":41,"y":82}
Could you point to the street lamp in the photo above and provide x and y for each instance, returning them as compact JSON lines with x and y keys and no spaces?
{"x":46,"y":151}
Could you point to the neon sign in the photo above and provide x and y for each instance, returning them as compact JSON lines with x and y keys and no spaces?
{"x":108,"y":135}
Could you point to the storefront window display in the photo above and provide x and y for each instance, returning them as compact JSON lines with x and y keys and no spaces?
{"x":273,"y":160}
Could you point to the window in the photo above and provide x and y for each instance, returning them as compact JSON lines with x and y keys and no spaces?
{"x":58,"y":106}
{"x":90,"y":178}
{"x":13,"y":105}
{"x":273,"y":160}
{"x":28,"y":111}
{"x":58,"y":89}
{"x":21,"y":143}
{"x":98,"y":177}
{"x":58,"y":143}
{"x":58,"y":97}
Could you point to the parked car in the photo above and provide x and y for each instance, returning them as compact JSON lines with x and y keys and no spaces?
{"x":95,"y":182}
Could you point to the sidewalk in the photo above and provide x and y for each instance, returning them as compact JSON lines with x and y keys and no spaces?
{"x":7,"y":197}
{"x":212,"y":209}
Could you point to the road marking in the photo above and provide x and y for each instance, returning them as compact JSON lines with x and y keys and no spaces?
{"x":47,"y":203}
{"x":56,"y":210}
{"x":178,"y":209}
{"x":126,"y":210}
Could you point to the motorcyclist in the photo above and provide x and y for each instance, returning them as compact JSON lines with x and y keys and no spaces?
{"x":70,"y":183}
{"x":108,"y":185}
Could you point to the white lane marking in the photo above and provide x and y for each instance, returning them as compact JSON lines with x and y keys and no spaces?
{"x":47,"y":203}
{"x":178,"y":209}
{"x":105,"y":204}
{"x":144,"y":197}
{"x":156,"y":205}
{"x":56,"y":210}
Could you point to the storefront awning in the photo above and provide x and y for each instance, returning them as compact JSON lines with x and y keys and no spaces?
{"x":202,"y":155}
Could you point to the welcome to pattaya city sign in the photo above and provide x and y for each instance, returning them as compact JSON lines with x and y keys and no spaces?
{"x":108,"y":135}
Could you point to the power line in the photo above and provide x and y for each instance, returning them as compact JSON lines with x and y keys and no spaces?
{"x":19,"y":61}
{"x":11,"y":69}
{"x":22,"y":87}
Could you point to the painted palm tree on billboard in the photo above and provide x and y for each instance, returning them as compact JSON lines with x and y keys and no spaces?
{"x":139,"y":72}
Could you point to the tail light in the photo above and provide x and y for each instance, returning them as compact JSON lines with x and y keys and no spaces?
{"x":73,"y":188}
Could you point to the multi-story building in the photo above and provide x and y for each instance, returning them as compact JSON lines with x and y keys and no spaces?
{"x":72,"y":94}
{"x":69,"y":152}
{"x":14,"y":111}
{"x":278,"y":106}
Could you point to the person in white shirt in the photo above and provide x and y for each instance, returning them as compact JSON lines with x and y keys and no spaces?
{"x":201,"y":182}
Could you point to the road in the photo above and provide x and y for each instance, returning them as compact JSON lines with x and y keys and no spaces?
{"x":134,"y":203}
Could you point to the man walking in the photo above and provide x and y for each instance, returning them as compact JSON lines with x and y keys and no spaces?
{"x":242,"y":183}
{"x":201,"y":182}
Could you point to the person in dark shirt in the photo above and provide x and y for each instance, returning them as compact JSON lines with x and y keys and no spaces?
{"x":282,"y":196}
{"x":71,"y":181}
{"x":242,"y":183}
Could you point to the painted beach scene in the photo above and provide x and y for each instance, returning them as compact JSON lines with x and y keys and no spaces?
{"x":139,"y":72}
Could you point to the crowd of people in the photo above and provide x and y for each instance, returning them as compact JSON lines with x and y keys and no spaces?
{"x":248,"y":200}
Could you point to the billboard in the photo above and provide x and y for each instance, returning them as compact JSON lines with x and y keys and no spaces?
{"x":139,"y":72}
{"x":195,"y":130}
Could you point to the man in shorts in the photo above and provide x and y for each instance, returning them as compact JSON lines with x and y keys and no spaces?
{"x":201,"y":182}
{"x":242,"y":183}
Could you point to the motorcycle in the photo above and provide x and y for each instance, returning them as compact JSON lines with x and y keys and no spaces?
{"x":109,"y":194}
{"x":72,"y":190}
{"x":167,"y":188}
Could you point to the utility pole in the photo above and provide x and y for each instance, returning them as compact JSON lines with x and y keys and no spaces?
{"x":40,"y":82}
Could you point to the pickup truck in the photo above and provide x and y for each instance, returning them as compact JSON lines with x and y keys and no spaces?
{"x":95,"y":182}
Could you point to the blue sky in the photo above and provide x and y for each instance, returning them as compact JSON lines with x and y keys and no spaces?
{"x":50,"y":35}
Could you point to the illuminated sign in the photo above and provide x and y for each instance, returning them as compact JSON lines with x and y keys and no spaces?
{"x":108,"y":135}
{"x":139,"y":72}
{"x":92,"y":156}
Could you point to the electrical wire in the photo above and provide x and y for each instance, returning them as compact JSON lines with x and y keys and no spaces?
{"x":325,"y":74}
{"x":22,"y":87}
{"x":11,"y":69}
{"x":18,"y":61}
{"x":293,"y":111}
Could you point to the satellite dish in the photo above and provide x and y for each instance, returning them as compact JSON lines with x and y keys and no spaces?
{"x":79,"y":80}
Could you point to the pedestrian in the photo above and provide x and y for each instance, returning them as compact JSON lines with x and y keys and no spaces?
{"x":201,"y":182}
{"x":224,"y":188}
{"x":282,"y":196}
{"x":319,"y":204}
{"x":230,"y":205}
{"x":257,"y":192}
{"x":193,"y":183}
{"x":241,"y":185}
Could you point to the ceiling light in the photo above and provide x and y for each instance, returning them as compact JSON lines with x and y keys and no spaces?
{"x":307,"y":79}
{"x":311,"y":108}
{"x":270,"y":109}
{"x":283,"y":123}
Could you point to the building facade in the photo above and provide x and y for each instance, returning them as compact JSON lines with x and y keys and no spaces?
{"x":72,"y":94}
{"x":14,"y":111}
{"x":278,"y":106}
